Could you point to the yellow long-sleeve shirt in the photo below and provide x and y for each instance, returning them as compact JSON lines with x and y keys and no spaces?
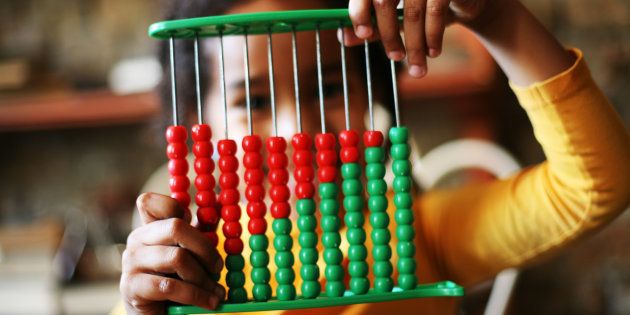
{"x":470,"y":234}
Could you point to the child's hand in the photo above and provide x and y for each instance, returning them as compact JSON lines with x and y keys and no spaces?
{"x":168,"y":260}
{"x":424,"y":22}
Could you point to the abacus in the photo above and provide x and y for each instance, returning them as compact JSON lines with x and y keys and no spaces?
{"x":226,"y":207}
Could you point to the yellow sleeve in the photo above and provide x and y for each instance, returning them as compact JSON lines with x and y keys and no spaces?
{"x":476,"y":231}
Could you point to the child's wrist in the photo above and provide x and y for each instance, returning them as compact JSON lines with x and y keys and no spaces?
{"x":495,"y":17}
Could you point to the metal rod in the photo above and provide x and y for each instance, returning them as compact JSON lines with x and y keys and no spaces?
{"x":368,"y":77}
{"x":173,"y":80}
{"x":392,"y":65}
{"x":320,"y":81}
{"x":344,"y":75}
{"x":296,"y":82}
{"x":198,"y":81}
{"x":250,"y":124}
{"x":222,"y":79}
{"x":272,"y":88}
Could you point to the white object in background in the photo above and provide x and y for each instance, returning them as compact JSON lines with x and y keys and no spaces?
{"x":135,"y":75}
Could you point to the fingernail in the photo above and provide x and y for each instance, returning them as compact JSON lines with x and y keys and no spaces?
{"x":364,"y":31}
{"x":434,"y":52}
{"x":396,"y":55}
{"x":417,"y":71}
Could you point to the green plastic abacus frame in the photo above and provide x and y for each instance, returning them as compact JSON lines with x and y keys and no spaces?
{"x":285,"y":22}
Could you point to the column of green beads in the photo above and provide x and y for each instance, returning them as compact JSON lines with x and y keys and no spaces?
{"x":405,"y":233}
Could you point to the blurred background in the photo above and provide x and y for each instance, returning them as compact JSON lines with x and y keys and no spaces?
{"x":77,"y":131}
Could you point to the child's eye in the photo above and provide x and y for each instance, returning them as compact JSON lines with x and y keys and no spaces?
{"x":259,"y":102}
{"x":332,"y":90}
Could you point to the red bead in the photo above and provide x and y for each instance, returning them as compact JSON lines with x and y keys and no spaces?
{"x":254,"y":193}
{"x":207,"y":216}
{"x":373,"y":138}
{"x":279,"y":193}
{"x":178,"y":167}
{"x":304,"y":174}
{"x":205,"y":198}
{"x":204,"y":165}
{"x":176,"y":134}
{"x":212,"y":237}
{"x":202,"y":149}
{"x":228,"y":164}
{"x":276,"y":144}
{"x":327,"y":174}
{"x":349,"y":155}
{"x":251,"y":143}
{"x":301,"y":141}
{"x":326,"y":158}
{"x":182,"y":198}
{"x":179,"y":183}
{"x":304,"y":190}
{"x":256,"y":209}
{"x":280,"y":210}
{"x":252,"y":160}
{"x":230,"y":213}
{"x":176,"y":151}
{"x":302,"y":158}
{"x":204,"y":182}
{"x":257,"y":226}
{"x":201,"y":132}
{"x":229,"y":196}
{"x":232,"y":229}
{"x":233,"y":246}
{"x":254,"y":176}
{"x":325,"y":141}
{"x":278,"y":176}
{"x":348,"y":138}
{"x":228,"y":180}
{"x":277,"y":160}
{"x":227,"y":147}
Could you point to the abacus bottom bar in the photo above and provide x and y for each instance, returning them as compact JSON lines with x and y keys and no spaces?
{"x":438,"y":289}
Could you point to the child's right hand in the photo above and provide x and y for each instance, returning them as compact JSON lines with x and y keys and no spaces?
{"x":167,"y":259}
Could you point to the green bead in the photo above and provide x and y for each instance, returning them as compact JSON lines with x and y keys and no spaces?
{"x":351,"y":187}
{"x":358,"y":268}
{"x":260,"y":275}
{"x":401,"y":184}
{"x":308,"y":239}
{"x":375,"y":171}
{"x":331,"y":239}
{"x":381,"y":252}
{"x":405,"y":233}
{"x":380,"y":236}
{"x":284,"y":259}
{"x":234,"y":262}
{"x":329,"y":206}
{"x":354,"y":219}
{"x":405,"y":249}
{"x":282,"y":243}
{"x":401,"y":167}
{"x":356,"y":236}
{"x":258,"y":242}
{"x":383,"y":284}
{"x":359,"y":285}
{"x":382,"y":269}
{"x":330,"y":223}
{"x":309,"y":272}
{"x":350,"y":170}
{"x":311,"y":289}
{"x":400,"y":151}
{"x":285,"y":276}
{"x":305,"y":206}
{"x":376,"y":187}
{"x":261,"y":292}
{"x":281,"y":226}
{"x":379,"y":220}
{"x":398,"y":134}
{"x":308,"y":256}
{"x":306,"y":223}
{"x":406,"y":265}
{"x":327,"y":190}
{"x":402,"y":200}
{"x":407,"y":281}
{"x":333,"y":256}
{"x":235,"y":278}
{"x":353,"y":203}
{"x":377,"y":203}
{"x":403,"y":216}
{"x":357,"y":252}
{"x":374,"y":155}
{"x":334,"y":273}
{"x":237,"y":295}
{"x":336,"y":288}
{"x":259,"y":259}
{"x":285,"y":292}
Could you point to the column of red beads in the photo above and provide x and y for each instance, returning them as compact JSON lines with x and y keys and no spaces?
{"x":231,"y":213}
{"x":177,"y":165}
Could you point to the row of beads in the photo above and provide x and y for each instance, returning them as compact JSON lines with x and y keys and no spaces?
{"x":305,"y":206}
{"x":176,"y":152}
{"x":207,"y":211}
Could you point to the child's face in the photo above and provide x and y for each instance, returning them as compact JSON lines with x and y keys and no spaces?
{"x":284,"y":86}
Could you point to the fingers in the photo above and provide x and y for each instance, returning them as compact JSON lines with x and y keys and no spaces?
{"x":351,"y":39}
{"x":414,"y":24}
{"x":361,"y":15}
{"x":436,"y":20}
{"x":387,"y":21}
{"x":154,"y":207}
